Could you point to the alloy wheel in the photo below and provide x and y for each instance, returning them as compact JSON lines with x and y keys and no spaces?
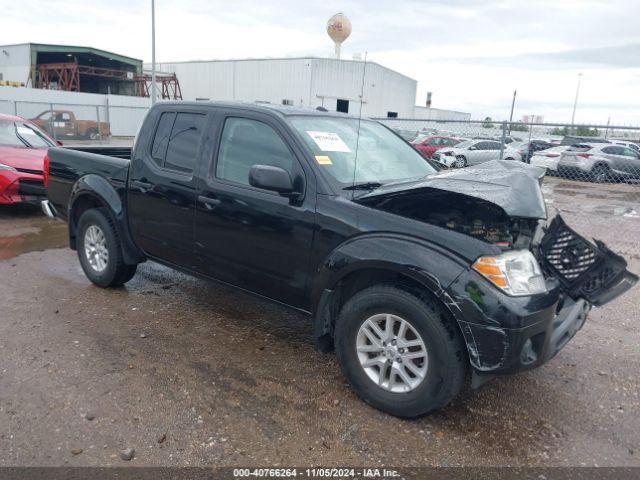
{"x":392,"y":353}
{"x":95,"y":248}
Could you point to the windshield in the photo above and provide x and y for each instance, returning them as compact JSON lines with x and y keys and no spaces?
{"x":382,"y":156}
{"x":19,"y":134}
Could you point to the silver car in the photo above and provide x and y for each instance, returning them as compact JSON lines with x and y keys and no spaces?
{"x":473,"y":152}
{"x":601,"y":162}
{"x":548,"y":158}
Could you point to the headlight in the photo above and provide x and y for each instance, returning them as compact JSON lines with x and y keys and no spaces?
{"x":516,"y":273}
{"x":7,"y":167}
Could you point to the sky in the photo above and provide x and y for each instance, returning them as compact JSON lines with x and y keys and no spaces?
{"x":470,"y":54}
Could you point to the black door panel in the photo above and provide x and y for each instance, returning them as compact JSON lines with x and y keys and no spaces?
{"x":163,"y":188}
{"x":251,"y":238}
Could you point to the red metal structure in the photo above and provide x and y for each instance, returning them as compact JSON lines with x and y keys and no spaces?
{"x":169,"y":86}
{"x":68,"y":74}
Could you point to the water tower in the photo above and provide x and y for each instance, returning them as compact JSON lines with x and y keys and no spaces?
{"x":339,"y":29}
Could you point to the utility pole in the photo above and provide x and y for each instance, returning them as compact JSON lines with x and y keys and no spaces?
{"x":575,"y":102}
{"x":153,"y":53}
{"x":513,"y":103}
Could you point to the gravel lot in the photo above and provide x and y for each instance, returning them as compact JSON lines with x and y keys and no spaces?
{"x":188,"y":372}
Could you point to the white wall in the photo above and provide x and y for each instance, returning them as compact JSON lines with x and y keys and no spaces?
{"x":124,"y":113}
{"x":308,"y":82}
{"x":424,"y":113}
{"x":15,"y":62}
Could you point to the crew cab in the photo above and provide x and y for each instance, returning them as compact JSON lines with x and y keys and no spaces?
{"x":414,"y":276}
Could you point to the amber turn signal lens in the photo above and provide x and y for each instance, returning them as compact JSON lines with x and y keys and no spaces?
{"x":488,"y":267}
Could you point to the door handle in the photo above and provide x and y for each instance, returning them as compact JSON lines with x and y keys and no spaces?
{"x":142,"y":185}
{"x":209,"y":203}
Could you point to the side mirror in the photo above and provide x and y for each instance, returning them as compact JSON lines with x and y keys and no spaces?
{"x":473,"y":147}
{"x":275,"y":179}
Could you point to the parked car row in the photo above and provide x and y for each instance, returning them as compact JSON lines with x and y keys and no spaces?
{"x":474,"y":152}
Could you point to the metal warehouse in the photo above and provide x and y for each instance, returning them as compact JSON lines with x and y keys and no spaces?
{"x":309,"y":82}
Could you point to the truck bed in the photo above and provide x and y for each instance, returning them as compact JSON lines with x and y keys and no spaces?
{"x":68,"y":165}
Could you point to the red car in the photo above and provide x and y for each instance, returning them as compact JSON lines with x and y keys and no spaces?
{"x":428,"y":145}
{"x":23,"y":148}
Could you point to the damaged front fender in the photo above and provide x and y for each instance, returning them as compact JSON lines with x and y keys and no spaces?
{"x":503,"y":334}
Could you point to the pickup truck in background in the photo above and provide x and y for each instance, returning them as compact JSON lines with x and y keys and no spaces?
{"x":64,"y":124}
{"x":414,"y":276}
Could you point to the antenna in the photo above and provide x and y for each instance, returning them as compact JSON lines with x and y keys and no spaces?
{"x":355,"y":161}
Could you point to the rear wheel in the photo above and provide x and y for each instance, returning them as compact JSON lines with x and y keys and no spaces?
{"x":93,"y":134}
{"x":401,"y":353}
{"x":100,"y":251}
{"x":601,"y":174}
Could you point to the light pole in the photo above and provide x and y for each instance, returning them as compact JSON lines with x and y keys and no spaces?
{"x":575,"y":102}
{"x":513,"y":103}
{"x":153,"y":52}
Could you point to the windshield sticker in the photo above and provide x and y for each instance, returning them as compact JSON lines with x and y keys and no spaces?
{"x":323,"y":160}
{"x":329,"y":142}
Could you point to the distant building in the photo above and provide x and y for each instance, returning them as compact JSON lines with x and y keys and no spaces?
{"x":70,"y":68}
{"x":532,"y":119}
{"x":428,"y":113}
{"x":336,"y":85}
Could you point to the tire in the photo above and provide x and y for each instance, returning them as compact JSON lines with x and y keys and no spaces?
{"x":446,"y":359}
{"x":92,"y":134}
{"x":460,"y":162}
{"x":600,"y":173}
{"x":97,"y":233}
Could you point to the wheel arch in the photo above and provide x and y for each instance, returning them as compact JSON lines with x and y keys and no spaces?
{"x":381,"y":260}
{"x":92,"y":191}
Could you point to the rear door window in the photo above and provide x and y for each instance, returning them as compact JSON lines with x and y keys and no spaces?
{"x":161,"y":138}
{"x":177,"y":139}
{"x":184,"y":142}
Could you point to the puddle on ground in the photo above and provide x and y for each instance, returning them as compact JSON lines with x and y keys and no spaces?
{"x":48,"y":234}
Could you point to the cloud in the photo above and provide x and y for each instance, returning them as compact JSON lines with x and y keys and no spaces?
{"x":620,"y":56}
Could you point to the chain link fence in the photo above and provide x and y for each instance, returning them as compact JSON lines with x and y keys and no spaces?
{"x":593,"y":171}
{"x":78,"y":124}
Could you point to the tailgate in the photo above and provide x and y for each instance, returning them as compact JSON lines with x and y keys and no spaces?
{"x":585,"y":269}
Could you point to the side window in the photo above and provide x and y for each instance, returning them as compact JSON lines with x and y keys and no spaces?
{"x":246,"y":143}
{"x":627,"y":152}
{"x":493,"y":146}
{"x":184,"y":142}
{"x":161,"y":138}
{"x":481,"y":146}
{"x":611,"y":150}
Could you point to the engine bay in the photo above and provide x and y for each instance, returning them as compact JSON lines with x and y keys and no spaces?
{"x":464,"y":214}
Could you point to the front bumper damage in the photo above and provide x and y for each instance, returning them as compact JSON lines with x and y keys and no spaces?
{"x":507,"y":334}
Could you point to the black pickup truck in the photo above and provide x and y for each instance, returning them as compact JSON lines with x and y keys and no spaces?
{"x":415,"y":276}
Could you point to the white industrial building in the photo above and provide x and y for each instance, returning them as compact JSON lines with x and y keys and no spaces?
{"x":336,"y":85}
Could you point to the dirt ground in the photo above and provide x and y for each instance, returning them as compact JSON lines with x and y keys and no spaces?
{"x":188,"y":372}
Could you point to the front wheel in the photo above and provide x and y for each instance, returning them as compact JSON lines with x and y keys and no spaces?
{"x":99,"y":250}
{"x":460,"y":162}
{"x":401,"y":353}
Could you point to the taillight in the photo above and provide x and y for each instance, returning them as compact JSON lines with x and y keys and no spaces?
{"x":584,"y":155}
{"x":45,"y":171}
